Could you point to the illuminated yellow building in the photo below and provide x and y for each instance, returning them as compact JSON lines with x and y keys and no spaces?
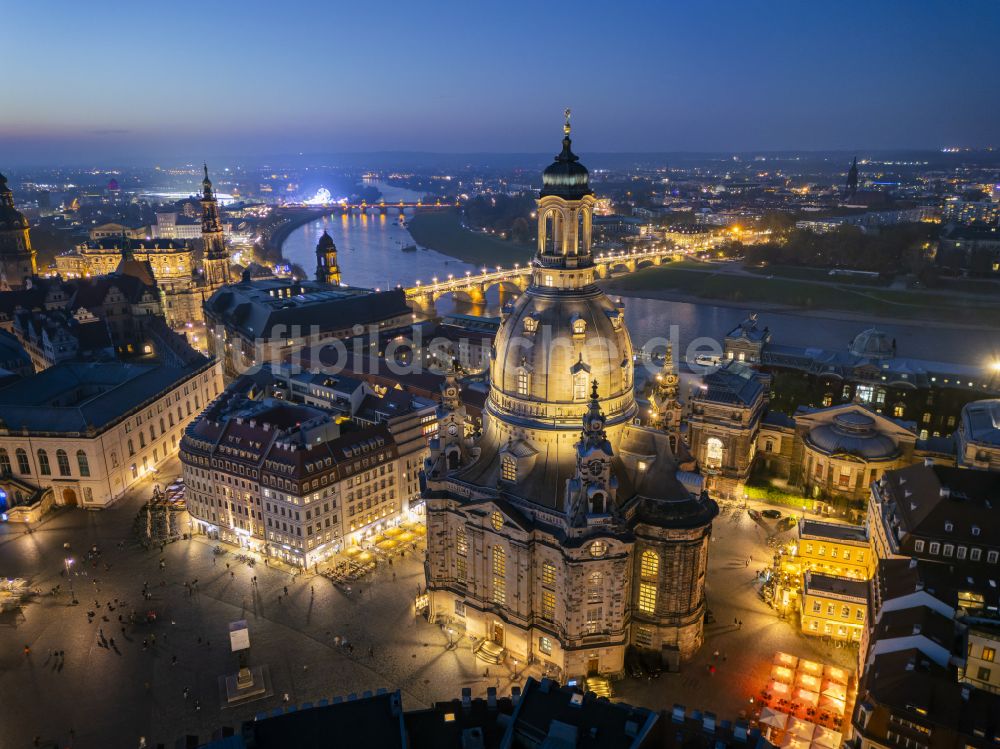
{"x":833,"y":549}
{"x":834,"y":606}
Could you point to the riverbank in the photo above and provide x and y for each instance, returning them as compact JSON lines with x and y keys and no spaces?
{"x":443,"y":231}
{"x":818,"y":300}
{"x":274,"y":240}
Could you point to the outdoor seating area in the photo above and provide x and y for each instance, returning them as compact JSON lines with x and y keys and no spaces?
{"x":804,"y":703}
{"x":355,"y":562}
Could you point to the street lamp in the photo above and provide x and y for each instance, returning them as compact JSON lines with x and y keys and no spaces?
{"x":69,"y":575}
{"x":514,"y":676}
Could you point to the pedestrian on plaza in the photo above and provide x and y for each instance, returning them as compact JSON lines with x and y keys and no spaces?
{"x":227,"y":565}
{"x":197,"y":705}
{"x":186,"y":692}
{"x":232,"y":574}
{"x":142,"y":742}
{"x":145,"y":644}
{"x":741,"y":624}
{"x":279,"y":599}
{"x":27,"y":650}
{"x":736,"y":621}
{"x":286,"y":590}
{"x":173,"y":660}
{"x":213,"y":560}
{"x":312,"y":590}
{"x":285,"y":697}
{"x":371,"y":651}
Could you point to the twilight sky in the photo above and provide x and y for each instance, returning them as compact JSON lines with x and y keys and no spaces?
{"x":151,"y":81}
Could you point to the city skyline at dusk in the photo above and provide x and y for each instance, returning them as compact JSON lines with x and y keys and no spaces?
{"x":415,"y":77}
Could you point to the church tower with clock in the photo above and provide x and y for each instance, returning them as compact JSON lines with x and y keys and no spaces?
{"x":564,"y":533}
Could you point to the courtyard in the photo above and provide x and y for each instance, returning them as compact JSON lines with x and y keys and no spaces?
{"x":161,"y":679}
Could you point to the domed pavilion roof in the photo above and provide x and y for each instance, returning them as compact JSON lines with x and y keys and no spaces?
{"x":873,"y":344}
{"x":853,"y":433}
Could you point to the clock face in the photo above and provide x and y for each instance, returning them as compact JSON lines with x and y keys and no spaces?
{"x":596,"y":467}
{"x":595,"y":425}
{"x":451,"y":392}
{"x":671,"y":379}
{"x":453,"y":430}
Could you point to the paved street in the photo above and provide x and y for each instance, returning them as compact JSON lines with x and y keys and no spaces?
{"x":744,"y":662}
{"x":110,"y":696}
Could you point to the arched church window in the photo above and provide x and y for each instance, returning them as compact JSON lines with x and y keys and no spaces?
{"x":63,"y":461}
{"x":650,"y":564}
{"x":23,"y":466}
{"x":595,"y":587}
{"x":713,"y":452}
{"x":580,"y":386}
{"x":82,"y":463}
{"x":508,"y":468}
{"x":43,"y":463}
{"x":4,"y":461}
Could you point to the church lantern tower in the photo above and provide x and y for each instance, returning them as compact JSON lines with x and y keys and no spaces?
{"x":327,"y":269}
{"x":216,"y":257}
{"x":17,"y":258}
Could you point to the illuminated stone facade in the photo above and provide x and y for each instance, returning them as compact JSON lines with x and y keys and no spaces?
{"x":564,"y":533}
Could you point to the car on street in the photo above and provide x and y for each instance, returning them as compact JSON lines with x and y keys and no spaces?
{"x":771,"y":514}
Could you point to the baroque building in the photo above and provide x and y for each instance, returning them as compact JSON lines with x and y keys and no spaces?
{"x":564,"y":533}
{"x":17,"y":258}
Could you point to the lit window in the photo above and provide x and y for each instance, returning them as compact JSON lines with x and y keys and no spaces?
{"x":647,"y":597}
{"x":548,"y":573}
{"x":598,"y":549}
{"x":643,"y":636}
{"x":545,"y":645}
{"x":898,"y":410}
{"x":713,"y":452}
{"x":499,"y":561}
{"x":595,"y":615}
{"x":522,"y":382}
{"x":508,"y":469}
{"x":580,"y":386}
{"x":989,"y":654}
{"x":461,"y":570}
{"x":579,"y":327}
{"x":461,"y":543}
{"x":595,"y":588}
{"x":548,"y":605}
{"x":650,"y":566}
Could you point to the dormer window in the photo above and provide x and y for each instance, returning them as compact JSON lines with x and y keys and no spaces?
{"x":508,"y":468}
{"x":522,"y":381}
{"x":530,"y":324}
{"x":579,"y":326}
{"x":949,"y":527}
{"x":975,"y":530}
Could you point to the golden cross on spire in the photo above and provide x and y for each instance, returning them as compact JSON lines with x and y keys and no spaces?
{"x":566,"y":113}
